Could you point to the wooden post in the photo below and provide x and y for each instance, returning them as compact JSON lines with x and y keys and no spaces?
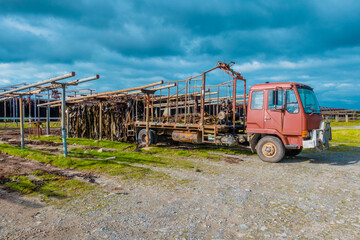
{"x":202,"y":100}
{"x":336,"y":118}
{"x":63,"y":127}
{"x":346,"y":118}
{"x":48,"y":116}
{"x":100,"y":120}
{"x":147,"y":119}
{"x":21,"y":122}
{"x":234,"y":104}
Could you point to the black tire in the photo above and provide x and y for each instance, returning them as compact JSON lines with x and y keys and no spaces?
{"x":270,"y":149}
{"x":142,"y":137}
{"x":293,"y":152}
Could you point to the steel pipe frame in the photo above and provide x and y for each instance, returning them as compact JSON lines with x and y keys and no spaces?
{"x":107,"y":93}
{"x":51,"y":80}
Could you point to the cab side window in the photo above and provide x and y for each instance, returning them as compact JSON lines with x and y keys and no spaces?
{"x":275,"y":98}
{"x":257,"y":100}
{"x":292,"y":105}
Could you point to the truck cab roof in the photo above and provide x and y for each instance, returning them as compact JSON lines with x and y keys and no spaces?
{"x":263,"y":86}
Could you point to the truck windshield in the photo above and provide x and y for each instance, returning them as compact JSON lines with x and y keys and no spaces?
{"x":308,"y":99}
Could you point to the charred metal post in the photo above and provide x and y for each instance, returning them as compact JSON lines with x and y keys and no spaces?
{"x":177,"y":97}
{"x":21,"y":121}
{"x":5,"y":112}
{"x":63,"y":127}
{"x":244,"y":105}
{"x":48,"y":116}
{"x":147,"y":92}
{"x":100,"y":120}
{"x":168,"y":107}
{"x":13,"y":110}
{"x":186,"y":95}
{"x":202,"y":99}
{"x":234,"y":104}
{"x":29,"y":97}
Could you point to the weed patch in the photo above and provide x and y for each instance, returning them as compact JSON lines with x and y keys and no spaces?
{"x":46,"y":185}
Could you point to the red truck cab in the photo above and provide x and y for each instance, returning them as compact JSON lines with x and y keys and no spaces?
{"x":284,"y":118}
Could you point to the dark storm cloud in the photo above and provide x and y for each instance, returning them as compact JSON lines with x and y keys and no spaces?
{"x":141,"y":40}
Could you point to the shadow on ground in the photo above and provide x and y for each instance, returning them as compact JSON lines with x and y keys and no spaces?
{"x":340,"y":157}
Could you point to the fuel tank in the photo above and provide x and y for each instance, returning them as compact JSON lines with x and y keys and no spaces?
{"x":190,"y":137}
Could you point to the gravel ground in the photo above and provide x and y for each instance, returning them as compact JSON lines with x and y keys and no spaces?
{"x":315,"y":195}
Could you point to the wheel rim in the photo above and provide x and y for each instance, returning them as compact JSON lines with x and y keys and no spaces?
{"x":269,"y":150}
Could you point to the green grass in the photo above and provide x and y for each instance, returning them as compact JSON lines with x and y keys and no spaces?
{"x":196,"y":151}
{"x":47,"y":185}
{"x":26,"y":125}
{"x":345,"y":124}
{"x":350,"y":137}
{"x":111,"y":167}
{"x":88,"y":142}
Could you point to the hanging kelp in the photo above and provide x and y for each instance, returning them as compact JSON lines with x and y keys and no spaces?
{"x":84,"y":120}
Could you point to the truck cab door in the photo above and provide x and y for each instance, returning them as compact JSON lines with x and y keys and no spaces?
{"x":274,"y":107}
{"x":292,"y":115}
{"x":255,"y":113}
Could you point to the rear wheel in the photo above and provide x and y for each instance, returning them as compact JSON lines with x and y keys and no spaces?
{"x":142,"y":137}
{"x":293,"y":152}
{"x":270,"y":149}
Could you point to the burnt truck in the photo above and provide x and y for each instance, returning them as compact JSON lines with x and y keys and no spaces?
{"x":273,"y":119}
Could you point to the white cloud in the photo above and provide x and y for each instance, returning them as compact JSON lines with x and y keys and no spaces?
{"x":328,"y":84}
{"x":22,"y":25}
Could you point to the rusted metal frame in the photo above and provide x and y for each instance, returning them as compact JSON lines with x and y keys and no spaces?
{"x":48,"y":116}
{"x":234,"y":104}
{"x":160,"y":103}
{"x":244,"y":107}
{"x":109,"y":93}
{"x":38,"y":109}
{"x":182,"y":103}
{"x":12,"y":86}
{"x":152,"y":108}
{"x":100,"y":120}
{"x":193,"y":77}
{"x":39,"y":83}
{"x":21,"y":122}
{"x":137,"y":92}
{"x":221,"y":84}
{"x":238,"y":76}
{"x":136,"y":108}
{"x":186,"y":92}
{"x":184,"y":80}
{"x":177,"y":99}
{"x":203,"y":105}
{"x":168,"y":111}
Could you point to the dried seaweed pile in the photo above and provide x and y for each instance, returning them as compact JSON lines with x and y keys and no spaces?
{"x":84,"y":121}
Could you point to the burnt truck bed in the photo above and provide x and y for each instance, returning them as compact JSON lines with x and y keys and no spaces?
{"x":202,"y":107}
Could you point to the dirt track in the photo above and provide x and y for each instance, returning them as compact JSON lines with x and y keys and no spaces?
{"x":315,"y":195}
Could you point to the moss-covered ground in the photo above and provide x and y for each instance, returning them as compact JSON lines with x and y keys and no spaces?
{"x":46,"y":185}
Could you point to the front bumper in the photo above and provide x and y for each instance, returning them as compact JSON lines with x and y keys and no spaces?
{"x":320,"y":138}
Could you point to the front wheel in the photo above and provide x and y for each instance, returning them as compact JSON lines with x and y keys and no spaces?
{"x":270,"y":149}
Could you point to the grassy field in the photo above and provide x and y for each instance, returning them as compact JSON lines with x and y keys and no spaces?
{"x":26,"y":125}
{"x":345,"y":124}
{"x":350,"y":137}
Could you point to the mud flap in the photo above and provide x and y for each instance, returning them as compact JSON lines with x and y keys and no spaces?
{"x":253,"y":140}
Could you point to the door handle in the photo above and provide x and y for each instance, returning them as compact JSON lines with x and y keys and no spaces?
{"x":267,"y":118}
